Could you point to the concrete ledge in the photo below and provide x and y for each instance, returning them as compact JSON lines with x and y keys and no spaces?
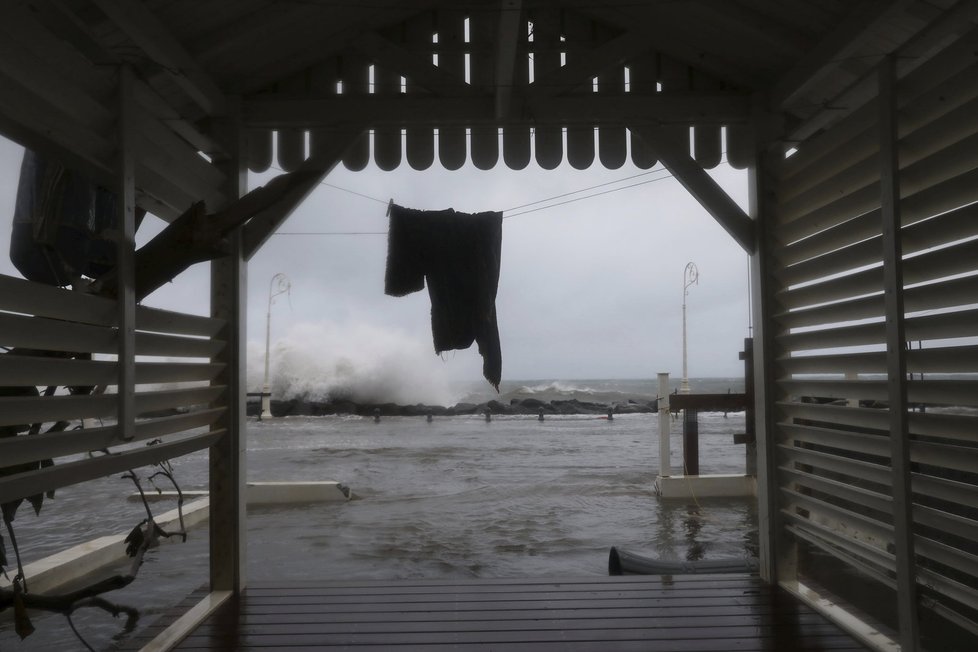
{"x":53,"y":572}
{"x":273,"y":493}
{"x":706,"y":486}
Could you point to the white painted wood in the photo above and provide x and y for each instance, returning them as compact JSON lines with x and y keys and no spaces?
{"x":947,"y":227}
{"x":511,"y":34}
{"x":933,"y":265}
{"x":170,"y":637}
{"x":176,"y":323}
{"x":30,"y":483}
{"x":125,"y":254}
{"x":68,"y":408}
{"x":33,"y":370}
{"x":228,"y":455}
{"x":42,"y":446}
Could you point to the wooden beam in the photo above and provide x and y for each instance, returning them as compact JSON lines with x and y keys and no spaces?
{"x":865,"y":18}
{"x":152,"y":36}
{"x":125,"y":252}
{"x":270,"y":111}
{"x":507,"y":46}
{"x":896,"y":360}
{"x":416,"y":68}
{"x":711,"y":196}
{"x":308,"y":177}
{"x":228,"y":456}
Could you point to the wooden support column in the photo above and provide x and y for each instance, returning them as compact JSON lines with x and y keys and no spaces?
{"x":125,"y":253}
{"x":896,"y":361}
{"x":228,"y":471}
{"x":691,"y":442}
{"x":778,"y":556}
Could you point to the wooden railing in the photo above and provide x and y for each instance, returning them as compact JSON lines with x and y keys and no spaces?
{"x":55,"y":338}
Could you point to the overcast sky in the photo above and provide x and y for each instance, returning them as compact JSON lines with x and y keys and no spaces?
{"x":588,"y":289}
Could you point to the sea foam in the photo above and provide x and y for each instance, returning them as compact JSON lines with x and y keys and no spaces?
{"x":360,"y":362}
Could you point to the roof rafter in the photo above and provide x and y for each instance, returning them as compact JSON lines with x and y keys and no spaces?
{"x":866,"y":18}
{"x":153,"y":37}
{"x":700,"y":185}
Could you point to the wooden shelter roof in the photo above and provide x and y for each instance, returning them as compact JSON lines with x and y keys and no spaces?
{"x":503,"y":82}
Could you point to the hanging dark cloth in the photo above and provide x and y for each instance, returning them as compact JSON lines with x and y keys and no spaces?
{"x":458,"y":254}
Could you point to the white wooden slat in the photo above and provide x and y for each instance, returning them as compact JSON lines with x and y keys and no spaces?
{"x":948,"y":227}
{"x":355,"y":74}
{"x":939,"y":86}
{"x":22,"y":485}
{"x":452,"y":149}
{"x":17,"y":370}
{"x":484,"y":140}
{"x":925,"y":485}
{"x":941,"y":197}
{"x":963,"y":359}
{"x":960,"y":258}
{"x":548,"y":140}
{"x":933,"y":424}
{"x":516,"y":137}
{"x":19,"y":295}
{"x":856,"y":525}
{"x":930,"y":327}
{"x":579,"y":37}
{"x":933,"y":296}
{"x":259,"y":149}
{"x":291,"y":148}
{"x":955,"y":393}
{"x":837,"y":489}
{"x":16,"y":410}
{"x":33,"y":448}
{"x":932,"y":144}
{"x":642,"y":79}
{"x":387,"y":139}
{"x":867,"y":558}
{"x":176,"y":323}
{"x":959,"y":526}
{"x":947,"y":555}
{"x":957,"y":158}
{"x":55,"y":335}
{"x":947,"y":456}
{"x":418,"y":30}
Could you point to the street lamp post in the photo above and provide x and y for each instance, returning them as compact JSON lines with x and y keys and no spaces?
{"x":279,"y":284}
{"x":691,"y":276}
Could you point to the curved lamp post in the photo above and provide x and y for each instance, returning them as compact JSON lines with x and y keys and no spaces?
{"x":691,"y":276}
{"x":279,"y":284}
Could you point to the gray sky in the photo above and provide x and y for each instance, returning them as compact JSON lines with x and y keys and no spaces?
{"x":589,"y":289}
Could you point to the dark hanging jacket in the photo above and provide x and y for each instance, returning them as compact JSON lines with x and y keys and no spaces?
{"x":458,"y":254}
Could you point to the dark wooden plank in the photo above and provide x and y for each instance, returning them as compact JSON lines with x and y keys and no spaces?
{"x":723,"y":612}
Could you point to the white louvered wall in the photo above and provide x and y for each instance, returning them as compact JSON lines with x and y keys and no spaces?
{"x":833,"y":450}
{"x":173,"y":390}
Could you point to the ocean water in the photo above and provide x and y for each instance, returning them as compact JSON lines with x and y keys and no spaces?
{"x":457,"y":497}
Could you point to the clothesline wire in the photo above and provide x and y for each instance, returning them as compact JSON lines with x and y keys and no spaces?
{"x":667,"y":175}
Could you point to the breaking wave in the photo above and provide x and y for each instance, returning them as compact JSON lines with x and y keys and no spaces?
{"x":359,"y":362}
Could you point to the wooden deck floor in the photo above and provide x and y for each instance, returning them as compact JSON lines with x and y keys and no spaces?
{"x":718,"y":612}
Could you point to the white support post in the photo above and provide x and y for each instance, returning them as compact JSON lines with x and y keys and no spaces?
{"x":778,"y":554}
{"x":228,"y":471}
{"x":896,"y":361}
{"x":664,"y":426}
{"x":125,"y":254}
